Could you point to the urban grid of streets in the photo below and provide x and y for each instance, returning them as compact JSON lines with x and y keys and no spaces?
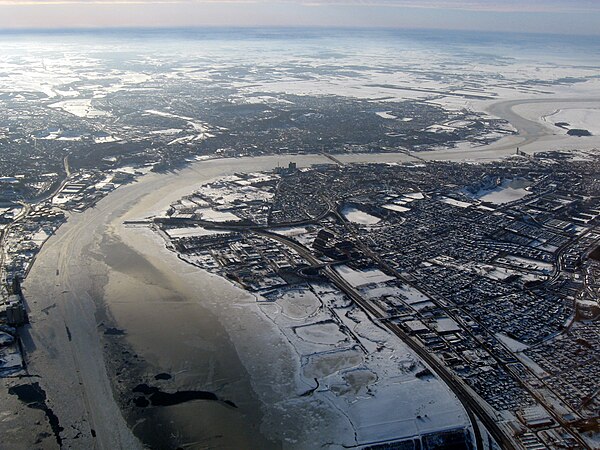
{"x":323,"y":205}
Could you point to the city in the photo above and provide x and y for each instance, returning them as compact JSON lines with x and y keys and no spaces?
{"x":299,"y":238}
{"x":499,"y":301}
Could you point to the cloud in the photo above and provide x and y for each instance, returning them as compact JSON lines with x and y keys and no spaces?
{"x":541,"y":6}
{"x":524,"y":16}
{"x":89,"y":2}
{"x":482,"y":5}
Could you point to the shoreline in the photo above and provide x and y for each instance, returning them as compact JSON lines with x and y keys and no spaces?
{"x":39,"y":349}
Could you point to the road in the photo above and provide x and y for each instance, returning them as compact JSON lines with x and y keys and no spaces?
{"x":472,"y":406}
{"x":508,"y":367}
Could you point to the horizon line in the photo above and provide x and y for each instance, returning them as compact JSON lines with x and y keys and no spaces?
{"x":105,"y":28}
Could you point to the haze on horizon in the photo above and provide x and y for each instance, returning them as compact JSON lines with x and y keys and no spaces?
{"x":578,"y":17}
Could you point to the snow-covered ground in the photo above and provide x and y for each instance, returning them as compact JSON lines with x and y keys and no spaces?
{"x":300,"y":234}
{"x":212,"y":215}
{"x":360,"y":369}
{"x":228,"y":194}
{"x":511,"y":343}
{"x":580,"y":118}
{"x":508,"y":191}
{"x":202,"y":130}
{"x":454,"y":202}
{"x":396,"y":208}
{"x":357,"y":216}
{"x":358,"y":278}
{"x":412,"y":295}
{"x":386,"y":115}
{"x":79,"y":108}
{"x":191,"y":232}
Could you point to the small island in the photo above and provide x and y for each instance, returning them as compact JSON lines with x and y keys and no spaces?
{"x":578,"y":132}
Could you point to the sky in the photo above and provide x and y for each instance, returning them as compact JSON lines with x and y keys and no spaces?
{"x":536,"y":16}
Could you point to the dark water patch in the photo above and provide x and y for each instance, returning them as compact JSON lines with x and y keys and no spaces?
{"x":35,"y":397}
{"x":425,"y":373}
{"x":144,"y":389}
{"x":155,"y":397}
{"x":114,"y":332}
{"x":578,"y":132}
{"x":68,"y":333}
{"x":166,"y":399}
{"x":141,"y":402}
{"x":28,"y":393}
{"x":163,"y":376}
{"x":122,"y":258}
{"x":312,"y":390}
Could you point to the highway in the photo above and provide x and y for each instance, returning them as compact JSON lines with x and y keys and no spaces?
{"x":508,"y":367}
{"x":472,"y":406}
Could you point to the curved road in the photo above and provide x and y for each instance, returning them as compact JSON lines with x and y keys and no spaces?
{"x":471,"y":406}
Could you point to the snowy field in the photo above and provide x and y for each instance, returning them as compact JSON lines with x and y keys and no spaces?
{"x":396,"y":208}
{"x":359,"y":369}
{"x":358,"y":278}
{"x":359,"y":217}
{"x":386,"y":115}
{"x":290,"y":231}
{"x":192,"y":232}
{"x":79,"y":108}
{"x":583,"y":119}
{"x":454,"y":202}
{"x":508,"y":191}
{"x":212,"y":215}
{"x":300,"y":234}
